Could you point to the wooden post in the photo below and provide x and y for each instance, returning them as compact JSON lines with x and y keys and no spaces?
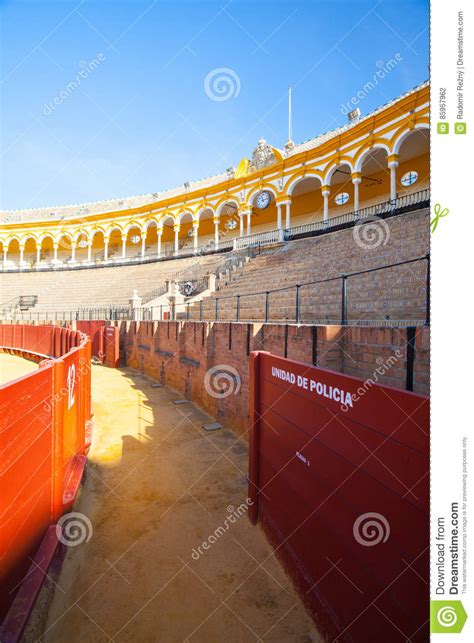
{"x":254,"y":420}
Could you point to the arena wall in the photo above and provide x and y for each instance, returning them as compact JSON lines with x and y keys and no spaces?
{"x":180,"y":354}
{"x":45,"y":426}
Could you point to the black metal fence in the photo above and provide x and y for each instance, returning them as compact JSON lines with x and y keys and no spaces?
{"x":385,"y":210}
{"x":109,"y":313}
{"x":288,"y":304}
{"x":267,"y":306}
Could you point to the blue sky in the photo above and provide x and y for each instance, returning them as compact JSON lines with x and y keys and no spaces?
{"x":140,"y":120}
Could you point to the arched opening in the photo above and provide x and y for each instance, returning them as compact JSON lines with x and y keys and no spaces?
{"x":264,"y":211}
{"x":306,"y":200}
{"x":186,"y":231}
{"x":98,"y":246}
{"x":167,"y":236}
{"x":229,"y":221}
{"x":206,"y":228}
{"x":341,"y":198}
{"x":134,"y":241}
{"x":115,"y":244}
{"x":375,"y":177}
{"x":65,"y":248}
{"x":13,"y":253}
{"x":413,"y":172}
{"x":29,"y":253}
{"x":46,"y":254}
{"x":82,"y":247}
{"x":151,"y":239}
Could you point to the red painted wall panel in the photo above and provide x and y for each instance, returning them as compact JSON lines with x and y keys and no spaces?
{"x":25,"y":471}
{"x":43,"y":418}
{"x":319,"y":471}
{"x":112,"y":346}
{"x":95,"y":330}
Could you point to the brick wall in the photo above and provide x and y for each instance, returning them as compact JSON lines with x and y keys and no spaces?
{"x":398,"y":292}
{"x":179,"y":354}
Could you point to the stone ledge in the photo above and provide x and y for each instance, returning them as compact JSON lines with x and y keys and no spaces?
{"x":164,"y":353}
{"x":189,"y":362}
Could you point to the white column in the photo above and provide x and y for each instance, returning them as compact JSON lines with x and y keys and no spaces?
{"x":124,"y":245}
{"x":5,"y":257}
{"x":241,"y":217}
{"x":393,"y":164}
{"x":176,"y":240}
{"x":195,"y":236}
{"x":281,"y":235}
{"x":287,"y":217}
{"x":356,"y":179}
{"x":89,"y":251}
{"x":393,"y":182}
{"x":325,"y":192}
{"x":143,"y":246}
{"x":106,"y":248}
{"x":73,"y":252}
{"x":159,"y":232}
{"x":55,"y":256}
{"x":38,"y":254}
{"x":22,"y":257}
{"x":135,"y":302}
{"x":216,"y":233}
{"x":249,"y":215}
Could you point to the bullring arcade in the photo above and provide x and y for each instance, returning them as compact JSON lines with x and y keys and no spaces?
{"x":371,"y":160}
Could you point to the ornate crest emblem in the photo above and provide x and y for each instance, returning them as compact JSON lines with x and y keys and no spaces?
{"x":262,"y":155}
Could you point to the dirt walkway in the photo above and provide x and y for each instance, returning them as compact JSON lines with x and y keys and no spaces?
{"x":158,"y":486}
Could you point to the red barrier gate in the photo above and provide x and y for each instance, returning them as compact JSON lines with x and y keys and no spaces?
{"x":45,"y":421}
{"x":339,"y":479}
{"x":95,"y":330}
{"x":112,"y":346}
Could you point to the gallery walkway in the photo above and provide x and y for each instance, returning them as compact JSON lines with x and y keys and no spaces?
{"x":158,"y":487}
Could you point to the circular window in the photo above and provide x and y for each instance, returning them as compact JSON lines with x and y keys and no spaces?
{"x":341,"y":198}
{"x":135,"y":238}
{"x":82,"y":243}
{"x":231,"y":224}
{"x":409,"y":178}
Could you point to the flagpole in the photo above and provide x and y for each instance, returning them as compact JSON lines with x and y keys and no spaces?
{"x":289,"y":113}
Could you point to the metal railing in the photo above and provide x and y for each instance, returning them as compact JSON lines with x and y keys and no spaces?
{"x":268,"y":302}
{"x":265,"y":306}
{"x":109,"y":313}
{"x":198,"y":273}
{"x":402,"y":204}
{"x":261,"y":238}
{"x":153,"y":294}
{"x":193,"y":287}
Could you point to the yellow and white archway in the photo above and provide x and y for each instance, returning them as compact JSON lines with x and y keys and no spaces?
{"x":374,"y":160}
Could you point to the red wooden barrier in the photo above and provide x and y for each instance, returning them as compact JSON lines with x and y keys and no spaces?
{"x":112,"y":346}
{"x":339,"y":479}
{"x":95,"y":330}
{"x":44,"y":421}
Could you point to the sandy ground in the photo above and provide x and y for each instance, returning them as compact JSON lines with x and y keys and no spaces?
{"x":12,"y":367}
{"x":158,"y":486}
